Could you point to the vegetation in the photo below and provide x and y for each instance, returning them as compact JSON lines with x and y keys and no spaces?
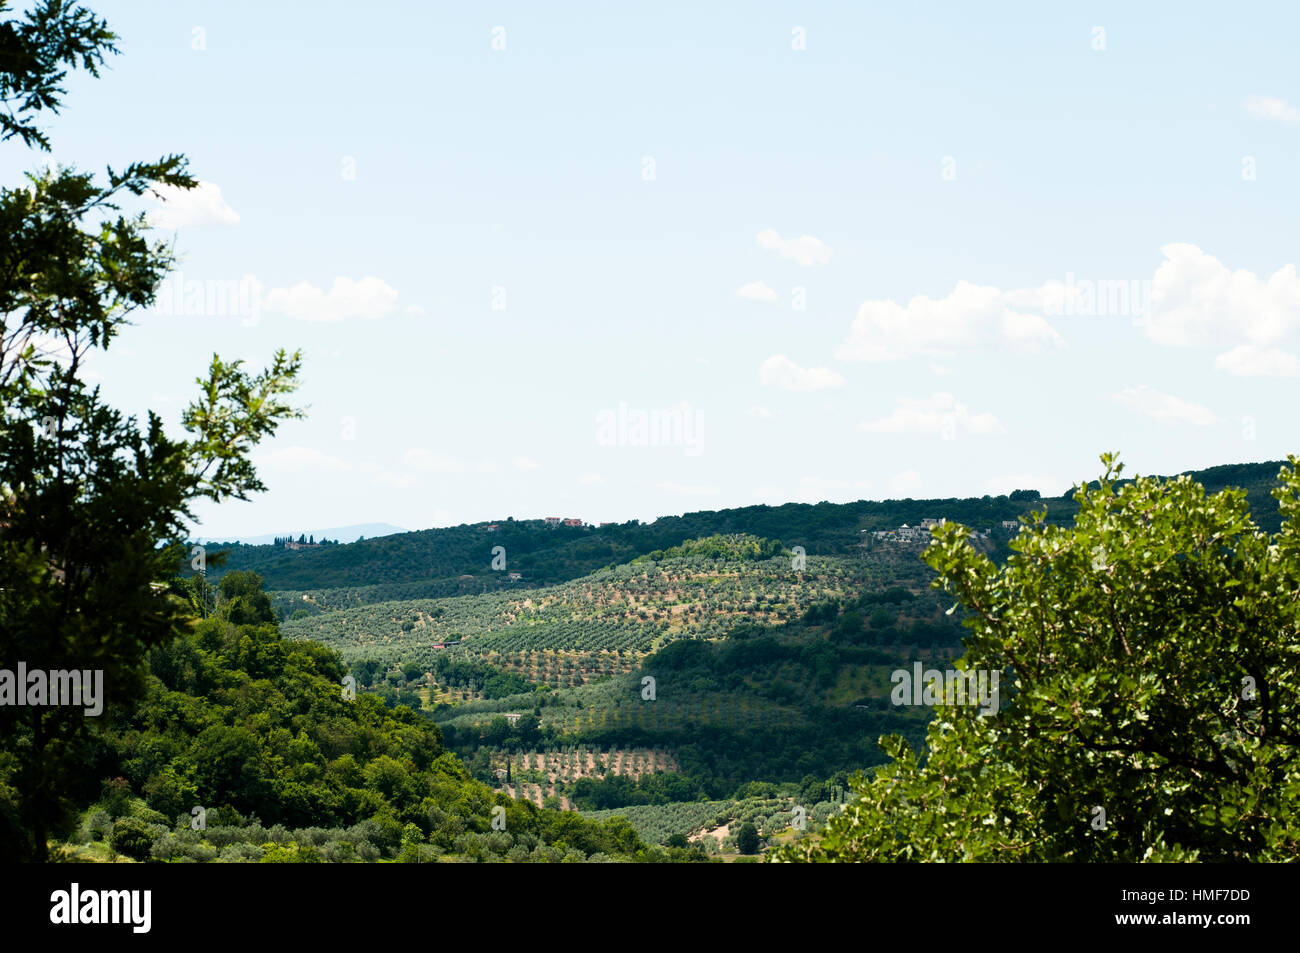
{"x":431,"y":564}
{"x":252,"y":729}
{"x":1149,"y":711}
{"x":94,"y":503}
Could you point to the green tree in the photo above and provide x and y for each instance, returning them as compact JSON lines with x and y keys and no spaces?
{"x":132,"y":837}
{"x":1148,"y":695}
{"x":244,"y":601}
{"x":93,"y":505}
{"x":747,"y":838}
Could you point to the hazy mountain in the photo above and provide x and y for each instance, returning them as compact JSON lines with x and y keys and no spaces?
{"x":344,"y":534}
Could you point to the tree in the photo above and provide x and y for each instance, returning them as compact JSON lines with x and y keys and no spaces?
{"x":93,"y":505}
{"x":1148,"y":696}
{"x":131,"y":837}
{"x":747,"y":838}
{"x":245,"y":603}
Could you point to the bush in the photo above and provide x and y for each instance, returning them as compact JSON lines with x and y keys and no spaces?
{"x":132,"y":838}
{"x":292,"y":854}
{"x":240,"y":854}
{"x":96,"y":826}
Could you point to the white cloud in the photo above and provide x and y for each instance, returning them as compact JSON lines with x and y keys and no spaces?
{"x":779,"y":371}
{"x":756,"y":291}
{"x":526,"y":463}
{"x":934,"y":414}
{"x":301,"y":458}
{"x":420,"y":459}
{"x":970,"y":315}
{"x":1192,"y":300}
{"x":762,"y":413}
{"x":805,"y":249}
{"x":191,"y":208}
{"x":1164,"y":407}
{"x":368,"y":298}
{"x":591,"y":479}
{"x":413,"y":311}
{"x":688,"y":489}
{"x":1270,"y":107}
{"x":1247,"y":360}
{"x":487,"y":466}
{"x":397,"y":480}
{"x":769,"y":493}
{"x":1197,"y":302}
{"x":904,"y":484}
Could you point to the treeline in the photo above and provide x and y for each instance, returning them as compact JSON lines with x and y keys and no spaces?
{"x":435,"y":560}
{"x":304,"y":540}
{"x":468,"y":673}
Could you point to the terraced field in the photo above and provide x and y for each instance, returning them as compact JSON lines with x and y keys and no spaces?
{"x":599,"y":625}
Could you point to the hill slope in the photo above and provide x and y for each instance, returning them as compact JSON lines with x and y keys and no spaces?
{"x":437,"y":563}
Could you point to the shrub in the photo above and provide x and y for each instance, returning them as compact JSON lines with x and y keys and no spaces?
{"x":132,"y":837}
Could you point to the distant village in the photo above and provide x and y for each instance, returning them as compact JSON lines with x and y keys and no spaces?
{"x":303,"y":542}
{"x":557,"y":521}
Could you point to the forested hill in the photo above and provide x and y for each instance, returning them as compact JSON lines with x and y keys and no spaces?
{"x":457,"y":560}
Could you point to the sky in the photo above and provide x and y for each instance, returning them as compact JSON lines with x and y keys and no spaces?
{"x":619,"y":262}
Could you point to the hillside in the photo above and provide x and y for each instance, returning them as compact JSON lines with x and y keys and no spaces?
{"x":286,"y":766}
{"x":763,"y":672}
{"x":438,"y":563}
{"x":693,"y":681}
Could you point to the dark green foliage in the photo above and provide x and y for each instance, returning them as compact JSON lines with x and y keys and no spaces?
{"x":132,"y":837}
{"x":592,"y":794}
{"x":247,"y":604}
{"x":747,"y":838}
{"x":35,"y":54}
{"x":94,"y":505}
{"x":250,"y":725}
{"x":492,"y":682}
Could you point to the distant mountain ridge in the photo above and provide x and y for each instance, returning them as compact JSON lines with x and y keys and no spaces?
{"x":344,"y":534}
{"x":458,"y":560}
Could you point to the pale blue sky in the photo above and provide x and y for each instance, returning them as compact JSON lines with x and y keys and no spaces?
{"x":916,"y":148}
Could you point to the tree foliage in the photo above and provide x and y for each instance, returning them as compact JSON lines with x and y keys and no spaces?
{"x":1150,"y":663}
{"x":93,"y":504}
